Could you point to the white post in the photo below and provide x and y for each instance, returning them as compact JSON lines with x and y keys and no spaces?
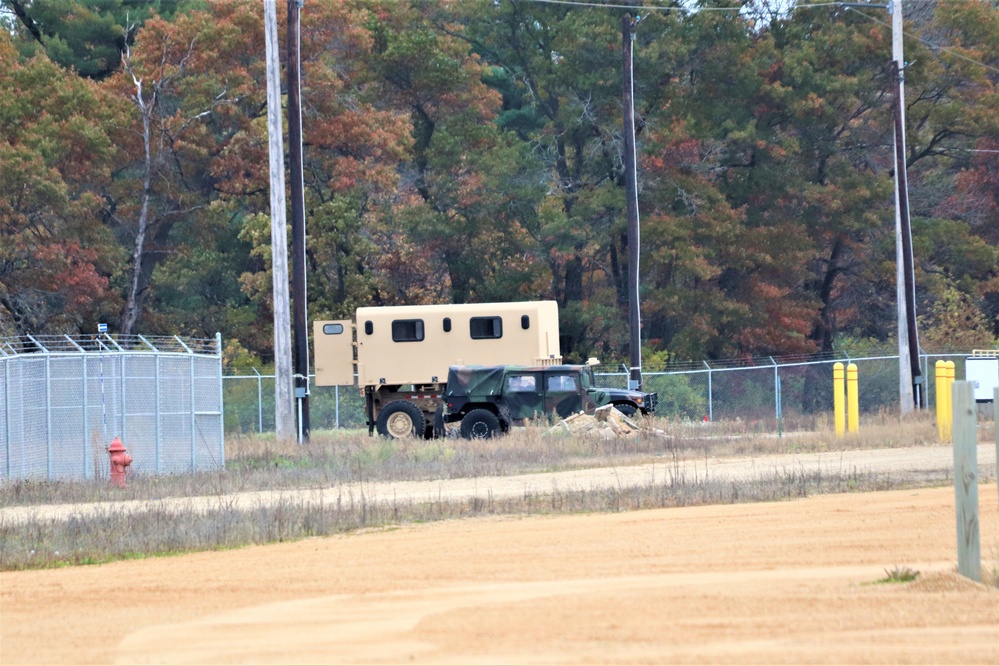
{"x":284,"y":419}
{"x":969,"y":548}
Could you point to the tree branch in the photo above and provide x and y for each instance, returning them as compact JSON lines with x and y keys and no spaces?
{"x":28,"y":22}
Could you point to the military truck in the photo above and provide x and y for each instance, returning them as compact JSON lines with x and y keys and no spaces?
{"x":401,"y":354}
{"x":487,"y":401}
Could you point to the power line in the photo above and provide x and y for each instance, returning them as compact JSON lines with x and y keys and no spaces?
{"x":695,"y":10}
{"x":653,"y":8}
{"x":929,"y":43}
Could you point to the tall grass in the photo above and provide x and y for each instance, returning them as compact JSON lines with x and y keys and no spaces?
{"x":110,"y":534}
{"x":333,"y":460}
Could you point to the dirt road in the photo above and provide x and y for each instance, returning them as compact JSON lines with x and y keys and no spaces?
{"x":899,"y":462}
{"x":786,"y":582}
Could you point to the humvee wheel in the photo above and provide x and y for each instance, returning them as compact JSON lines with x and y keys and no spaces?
{"x":400,"y":419}
{"x":480,"y":424}
{"x":627,"y":409}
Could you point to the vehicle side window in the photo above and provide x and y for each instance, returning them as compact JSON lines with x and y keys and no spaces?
{"x":482,"y":328}
{"x":520,"y":383}
{"x":561,"y":383}
{"x":407,"y":330}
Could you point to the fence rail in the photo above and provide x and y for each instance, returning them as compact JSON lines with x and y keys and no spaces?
{"x":765,"y":392}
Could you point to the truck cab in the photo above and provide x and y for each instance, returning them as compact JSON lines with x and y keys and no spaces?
{"x":488,"y":400}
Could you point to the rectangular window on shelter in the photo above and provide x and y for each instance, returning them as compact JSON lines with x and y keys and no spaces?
{"x":407,"y":330}
{"x":484,"y":328}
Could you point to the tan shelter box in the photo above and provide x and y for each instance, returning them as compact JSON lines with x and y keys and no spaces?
{"x":416,"y":344}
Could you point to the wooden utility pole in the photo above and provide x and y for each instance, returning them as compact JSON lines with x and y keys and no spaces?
{"x":284,"y":421}
{"x":298,"y":279}
{"x":631,"y":187}
{"x":909,"y":375}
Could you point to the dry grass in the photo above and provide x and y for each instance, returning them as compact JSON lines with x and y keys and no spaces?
{"x":333,"y":460}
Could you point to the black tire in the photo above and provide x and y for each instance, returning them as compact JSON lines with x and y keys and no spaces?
{"x":627,"y":409}
{"x":480,"y":424}
{"x":401,"y":419}
{"x":439,"y":431}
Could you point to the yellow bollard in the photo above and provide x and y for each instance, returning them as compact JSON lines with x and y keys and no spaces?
{"x":948,"y":402}
{"x":852,"y":399}
{"x":839,"y":406}
{"x":939,"y":385}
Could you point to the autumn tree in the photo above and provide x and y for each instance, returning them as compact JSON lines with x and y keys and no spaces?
{"x":195,"y":88}
{"x":56,"y":154}
{"x":88,"y":37}
{"x":466,"y":198}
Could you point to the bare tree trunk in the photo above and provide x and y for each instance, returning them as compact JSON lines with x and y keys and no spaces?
{"x":133,"y":304}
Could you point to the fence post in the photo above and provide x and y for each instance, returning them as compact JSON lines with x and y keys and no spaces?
{"x":218,"y":349}
{"x":995,"y":428}
{"x":48,"y":415}
{"x":260,"y":402}
{"x":6,"y":405}
{"x":121,"y":392}
{"x":969,"y":556}
{"x":776,"y":392}
{"x":157,"y":398}
{"x":86,"y":422}
{"x":193,"y":424}
{"x":711,"y":416}
{"x":780,"y":411}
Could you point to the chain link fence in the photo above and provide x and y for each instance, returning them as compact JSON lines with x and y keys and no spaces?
{"x":63,"y":399}
{"x":769,"y":393}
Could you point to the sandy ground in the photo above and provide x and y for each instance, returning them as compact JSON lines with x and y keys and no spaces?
{"x":785,"y":582}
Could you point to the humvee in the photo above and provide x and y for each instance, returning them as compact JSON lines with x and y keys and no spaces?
{"x":488,"y":400}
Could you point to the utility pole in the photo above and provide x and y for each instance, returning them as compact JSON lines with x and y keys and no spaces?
{"x":298,"y":280}
{"x":909,"y":375}
{"x":631,"y":187}
{"x":284,"y":422}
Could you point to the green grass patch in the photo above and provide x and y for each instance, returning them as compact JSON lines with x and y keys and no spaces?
{"x":898,"y":575}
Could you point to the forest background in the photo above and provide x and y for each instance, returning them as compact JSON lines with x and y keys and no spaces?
{"x":472,"y":151}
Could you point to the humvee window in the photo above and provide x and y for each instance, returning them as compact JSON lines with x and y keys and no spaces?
{"x":483,"y":328}
{"x":520,"y":383}
{"x":407,"y":330}
{"x":561,"y":383}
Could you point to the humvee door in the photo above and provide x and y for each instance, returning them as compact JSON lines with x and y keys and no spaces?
{"x":522,"y":393}
{"x":564,"y":395}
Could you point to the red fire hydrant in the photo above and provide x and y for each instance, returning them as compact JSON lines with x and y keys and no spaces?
{"x":119,"y":462}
